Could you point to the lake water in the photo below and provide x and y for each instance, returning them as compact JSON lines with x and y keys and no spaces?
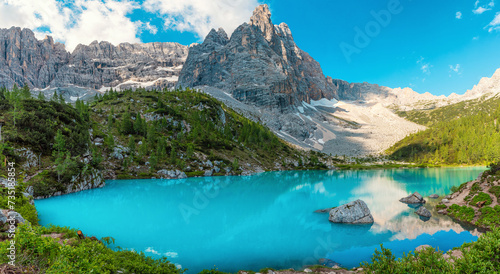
{"x":264,"y":220}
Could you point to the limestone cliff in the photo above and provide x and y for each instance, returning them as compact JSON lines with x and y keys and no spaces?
{"x":259,"y":64}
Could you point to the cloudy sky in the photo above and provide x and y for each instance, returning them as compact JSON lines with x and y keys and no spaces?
{"x":436,"y":46}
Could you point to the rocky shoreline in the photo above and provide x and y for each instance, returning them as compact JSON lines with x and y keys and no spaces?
{"x":476,"y":202}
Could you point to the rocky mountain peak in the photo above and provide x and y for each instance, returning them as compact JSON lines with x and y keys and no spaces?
{"x":218,"y":37}
{"x":260,"y":64}
{"x":262,"y":19}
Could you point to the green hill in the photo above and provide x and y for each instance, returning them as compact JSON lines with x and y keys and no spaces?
{"x":462,"y":133}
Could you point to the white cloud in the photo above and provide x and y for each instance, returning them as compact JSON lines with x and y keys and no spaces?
{"x":150,"y":28}
{"x":455,"y":68}
{"x":424,"y":66}
{"x":481,"y":9}
{"x":458,"y":15}
{"x":199,"y":16}
{"x":79,"y":21}
{"x":495,"y":24}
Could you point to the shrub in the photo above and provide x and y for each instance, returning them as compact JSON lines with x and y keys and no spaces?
{"x":463,"y":213}
{"x":480,"y":197}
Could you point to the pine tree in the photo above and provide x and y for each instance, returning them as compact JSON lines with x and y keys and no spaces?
{"x":25,"y":92}
{"x":143,"y":149}
{"x":127,"y":127}
{"x":153,"y":161}
{"x":131,"y":148}
{"x":41,"y":97}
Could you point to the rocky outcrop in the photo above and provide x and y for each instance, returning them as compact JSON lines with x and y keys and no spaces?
{"x":434,"y":196}
{"x":45,"y":63}
{"x":423,"y":212}
{"x":356,"y":212}
{"x":414,"y":198}
{"x":8,"y":217}
{"x":260,"y":64}
{"x":89,"y":179}
{"x":171,"y":174}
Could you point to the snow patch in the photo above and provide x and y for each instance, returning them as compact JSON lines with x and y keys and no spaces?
{"x":323,"y":102}
{"x":309,"y":106}
{"x":301,"y":109}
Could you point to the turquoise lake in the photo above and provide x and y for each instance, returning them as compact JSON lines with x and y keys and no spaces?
{"x":264,"y":220}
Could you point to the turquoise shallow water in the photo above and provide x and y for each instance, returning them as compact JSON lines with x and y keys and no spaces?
{"x":264,"y":220}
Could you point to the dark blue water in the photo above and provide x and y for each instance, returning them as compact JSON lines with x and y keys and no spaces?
{"x":265,"y":220}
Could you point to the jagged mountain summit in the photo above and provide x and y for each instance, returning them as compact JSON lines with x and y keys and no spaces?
{"x":45,"y":64}
{"x":260,"y":64}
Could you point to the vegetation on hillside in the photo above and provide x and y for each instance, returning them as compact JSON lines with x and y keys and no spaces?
{"x":182,"y":130}
{"x":481,"y":256}
{"x":463,"y":133}
{"x":59,"y":250}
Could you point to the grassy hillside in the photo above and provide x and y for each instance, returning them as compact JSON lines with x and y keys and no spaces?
{"x":430,"y":117}
{"x":463,"y":133}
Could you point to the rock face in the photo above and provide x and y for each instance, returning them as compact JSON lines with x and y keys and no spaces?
{"x":44,"y":63}
{"x":422,"y":211}
{"x":92,"y":178}
{"x":171,"y":174}
{"x":355,"y":212}
{"x":414,"y":198}
{"x":260,"y":64}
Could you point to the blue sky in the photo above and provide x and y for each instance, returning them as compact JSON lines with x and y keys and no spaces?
{"x":440,"y":46}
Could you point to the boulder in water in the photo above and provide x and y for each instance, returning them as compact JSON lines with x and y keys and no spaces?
{"x":355,"y":212}
{"x":422,"y":211}
{"x":414,"y":198}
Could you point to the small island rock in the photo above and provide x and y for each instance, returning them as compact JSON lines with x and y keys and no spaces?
{"x":355,"y":212}
{"x":414,"y":198}
{"x":434,"y":196}
{"x":422,"y":211}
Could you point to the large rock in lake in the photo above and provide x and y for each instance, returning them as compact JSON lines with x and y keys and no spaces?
{"x":355,"y":212}
{"x":414,"y":198}
{"x":422,"y":211}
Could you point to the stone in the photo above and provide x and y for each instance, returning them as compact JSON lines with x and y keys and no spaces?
{"x":443,"y":211}
{"x":216,"y":169}
{"x":3,"y":218}
{"x":355,"y":212}
{"x":307,"y":270}
{"x":445,"y":201}
{"x":328,"y":262}
{"x":422,"y":211}
{"x":422,"y":247}
{"x":434,"y":196}
{"x":208,"y":173}
{"x":414,"y":198}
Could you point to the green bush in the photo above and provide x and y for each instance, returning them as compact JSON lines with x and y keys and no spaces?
{"x":441,"y":206}
{"x":463,"y":213}
{"x":480,"y":197}
{"x":489,"y":217}
{"x":495,"y":190}
{"x":482,"y":256}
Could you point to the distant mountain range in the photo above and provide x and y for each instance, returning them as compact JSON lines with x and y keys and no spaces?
{"x":259,"y":71}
